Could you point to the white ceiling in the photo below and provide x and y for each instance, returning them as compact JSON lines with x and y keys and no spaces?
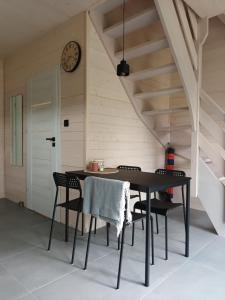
{"x":24,"y":20}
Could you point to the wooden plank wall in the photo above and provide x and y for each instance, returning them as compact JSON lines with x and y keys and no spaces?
{"x":39,"y":56}
{"x":114,"y":131}
{"x":2,"y":189}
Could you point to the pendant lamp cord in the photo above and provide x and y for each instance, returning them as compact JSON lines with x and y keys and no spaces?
{"x":123,"y":26}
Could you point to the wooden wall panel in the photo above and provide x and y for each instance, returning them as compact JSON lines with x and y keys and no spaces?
{"x":39,"y":56}
{"x":2,"y":189}
{"x":114,"y":131}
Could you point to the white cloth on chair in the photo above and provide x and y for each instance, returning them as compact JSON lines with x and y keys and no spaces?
{"x":107,"y":199}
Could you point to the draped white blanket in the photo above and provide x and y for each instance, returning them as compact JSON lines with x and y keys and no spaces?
{"x":107,"y":199}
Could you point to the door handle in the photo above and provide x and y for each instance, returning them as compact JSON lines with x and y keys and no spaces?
{"x":52,"y":139}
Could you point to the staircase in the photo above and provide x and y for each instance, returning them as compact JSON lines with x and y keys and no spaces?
{"x":163,"y":42}
{"x":154,"y":87}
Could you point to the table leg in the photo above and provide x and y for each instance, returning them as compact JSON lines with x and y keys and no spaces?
{"x":187,"y":219}
{"x":66,"y":215}
{"x":147,"y":238}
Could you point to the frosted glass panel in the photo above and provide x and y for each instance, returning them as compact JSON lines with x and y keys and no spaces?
{"x":16,"y":113}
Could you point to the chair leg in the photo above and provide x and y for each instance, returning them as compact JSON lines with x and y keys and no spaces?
{"x":121,"y":256}
{"x":82,"y":225}
{"x":95,"y":226}
{"x":107,"y":234}
{"x":166,"y":239}
{"x":88,"y":243}
{"x":53,"y":219}
{"x":67,"y":217}
{"x":152,"y":241}
{"x":184,"y":209}
{"x":142,"y":221}
{"x":133,"y":229}
{"x":157,"y":223}
{"x":75,"y":238}
{"x":118,"y":241}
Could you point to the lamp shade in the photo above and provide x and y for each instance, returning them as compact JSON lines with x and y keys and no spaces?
{"x":123,"y":69}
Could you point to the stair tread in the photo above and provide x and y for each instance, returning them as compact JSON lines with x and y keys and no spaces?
{"x":106,"y":6}
{"x":172,"y":128}
{"x":139,"y":20}
{"x":165,"y":111}
{"x":143,"y":48}
{"x":151,"y":72}
{"x":159,"y":93}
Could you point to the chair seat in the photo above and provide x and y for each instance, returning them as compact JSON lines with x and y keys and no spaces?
{"x":75,"y":204}
{"x":137,"y":216}
{"x":134,"y":196}
{"x":157,"y":206}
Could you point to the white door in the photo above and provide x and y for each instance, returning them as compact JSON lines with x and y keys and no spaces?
{"x":43,"y":153}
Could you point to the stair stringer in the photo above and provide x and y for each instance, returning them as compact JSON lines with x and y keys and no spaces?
{"x":169,"y":19}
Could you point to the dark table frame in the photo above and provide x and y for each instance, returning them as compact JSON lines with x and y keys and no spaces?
{"x":147,"y":183}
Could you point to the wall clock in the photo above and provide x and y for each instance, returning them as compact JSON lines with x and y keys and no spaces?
{"x":71,"y":56}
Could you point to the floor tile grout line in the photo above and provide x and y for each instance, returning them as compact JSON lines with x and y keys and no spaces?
{"x":53,"y":281}
{"x":29,"y":293}
{"x":69,"y":273}
{"x":21,"y":284}
{"x":176,"y":270}
{"x":209,"y":267}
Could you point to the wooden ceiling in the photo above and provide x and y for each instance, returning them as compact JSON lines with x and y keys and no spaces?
{"x":207,"y":8}
{"x":24,"y":20}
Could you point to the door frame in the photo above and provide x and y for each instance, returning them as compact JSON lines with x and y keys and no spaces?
{"x":56,"y":71}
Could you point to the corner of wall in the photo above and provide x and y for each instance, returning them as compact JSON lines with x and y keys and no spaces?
{"x":2,"y":183}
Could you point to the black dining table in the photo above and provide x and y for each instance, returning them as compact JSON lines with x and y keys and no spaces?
{"x":148,"y":183}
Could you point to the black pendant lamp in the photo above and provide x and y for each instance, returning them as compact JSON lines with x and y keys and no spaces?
{"x":123,"y":69}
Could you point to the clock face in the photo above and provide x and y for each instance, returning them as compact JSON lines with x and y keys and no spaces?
{"x":71,"y":56}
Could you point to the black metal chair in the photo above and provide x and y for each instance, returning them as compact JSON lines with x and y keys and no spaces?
{"x":132,"y":168}
{"x":127,"y":168}
{"x":135,"y":218}
{"x":62,"y":180}
{"x":163,"y":205}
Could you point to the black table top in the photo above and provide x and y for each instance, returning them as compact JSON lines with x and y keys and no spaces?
{"x":142,"y":181}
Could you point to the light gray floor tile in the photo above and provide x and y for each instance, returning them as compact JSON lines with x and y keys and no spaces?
{"x":97,"y":282}
{"x":28,"y":297}
{"x":7,"y":206}
{"x":48,"y":275}
{"x":213,"y":255}
{"x":192,"y":281}
{"x":20,"y":218}
{"x":10,"y":288}
{"x":11,"y":246}
{"x":36,"y":267}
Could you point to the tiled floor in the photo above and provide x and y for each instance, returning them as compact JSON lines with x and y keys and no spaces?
{"x":28,"y":271}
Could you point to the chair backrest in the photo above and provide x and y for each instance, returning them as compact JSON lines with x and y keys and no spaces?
{"x":170,"y":172}
{"x":163,"y":195}
{"x":60,"y":179}
{"x":128,"y":168}
{"x":63,"y":180}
